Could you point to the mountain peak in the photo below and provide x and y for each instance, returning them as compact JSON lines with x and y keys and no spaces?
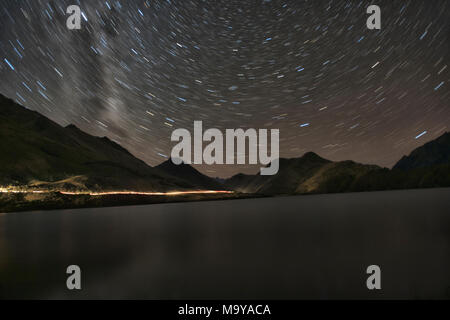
{"x":71,"y":126}
{"x":169,"y":165}
{"x":188,"y":173}
{"x":432,"y":153}
{"x":312,"y":156}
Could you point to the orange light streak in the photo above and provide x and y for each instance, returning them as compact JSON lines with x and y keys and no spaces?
{"x":93,"y":194}
{"x":173,"y":193}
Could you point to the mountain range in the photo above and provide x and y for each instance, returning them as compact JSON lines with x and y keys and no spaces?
{"x":313,"y":174}
{"x":38,"y":153}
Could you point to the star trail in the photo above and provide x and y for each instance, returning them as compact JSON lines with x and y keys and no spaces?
{"x":137,"y":70}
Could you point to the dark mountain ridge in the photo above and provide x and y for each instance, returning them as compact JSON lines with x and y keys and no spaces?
{"x":307,"y":174}
{"x":313,"y":174}
{"x":435,"y":152}
{"x":37,"y":151}
{"x":189,"y":173}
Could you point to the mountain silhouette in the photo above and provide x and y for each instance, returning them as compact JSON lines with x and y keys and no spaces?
{"x":435,"y":152}
{"x":189,"y":174}
{"x":38,"y":152}
{"x":308,"y":174}
{"x":427,"y":167}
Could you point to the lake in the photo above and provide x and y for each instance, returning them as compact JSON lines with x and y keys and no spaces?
{"x":300,"y":247}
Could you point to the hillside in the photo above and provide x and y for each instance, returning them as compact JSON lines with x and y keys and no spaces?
{"x":426,"y":167}
{"x":308,"y":174}
{"x":40,"y":153}
{"x":435,"y":152}
{"x":189,"y":174}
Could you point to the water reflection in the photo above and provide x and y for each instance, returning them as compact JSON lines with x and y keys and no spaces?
{"x":295,"y":247}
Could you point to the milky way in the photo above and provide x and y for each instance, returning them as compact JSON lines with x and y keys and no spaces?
{"x":137,"y":70}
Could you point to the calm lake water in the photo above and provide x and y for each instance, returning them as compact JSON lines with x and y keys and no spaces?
{"x":273,"y":248}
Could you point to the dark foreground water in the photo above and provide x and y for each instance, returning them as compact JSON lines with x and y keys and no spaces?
{"x":291,"y":247}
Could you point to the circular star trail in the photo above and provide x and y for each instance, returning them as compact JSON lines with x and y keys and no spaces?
{"x":137,"y":70}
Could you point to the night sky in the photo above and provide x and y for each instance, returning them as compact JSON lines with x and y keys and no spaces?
{"x":137,"y":70}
